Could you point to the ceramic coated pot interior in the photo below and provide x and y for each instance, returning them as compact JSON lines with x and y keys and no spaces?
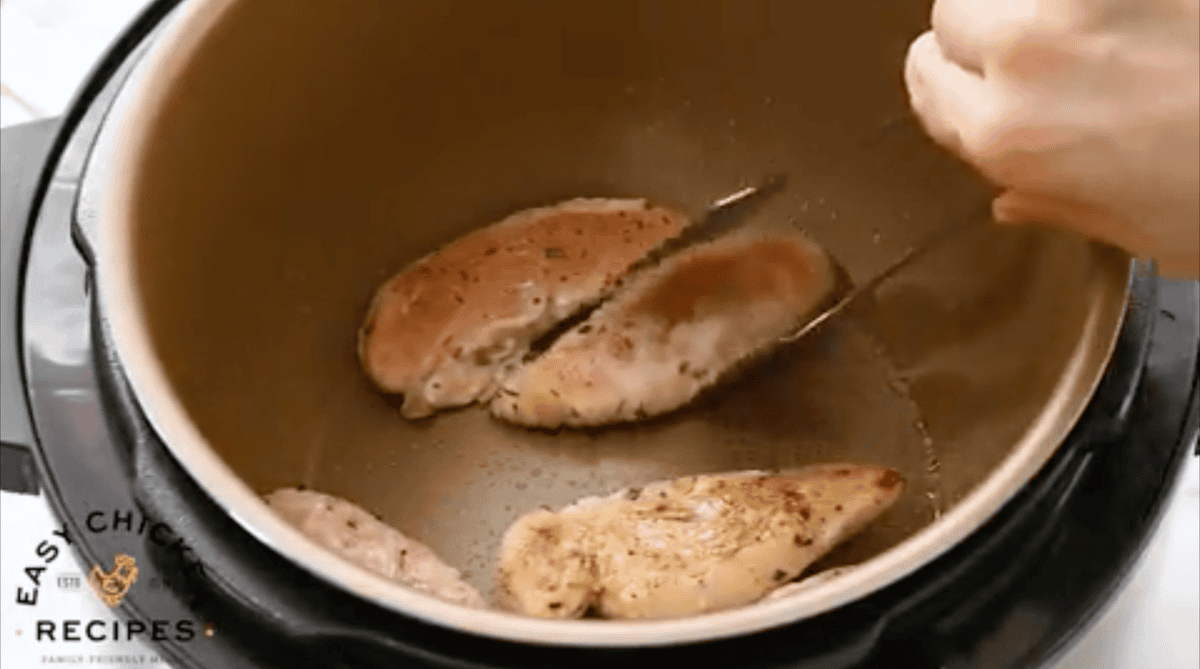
{"x":307,"y":151}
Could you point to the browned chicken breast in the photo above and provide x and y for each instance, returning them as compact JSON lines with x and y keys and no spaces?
{"x":441,"y":330}
{"x":683,"y":547}
{"x":675,"y":330}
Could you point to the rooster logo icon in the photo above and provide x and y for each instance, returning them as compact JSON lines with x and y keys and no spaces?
{"x":111,"y":586}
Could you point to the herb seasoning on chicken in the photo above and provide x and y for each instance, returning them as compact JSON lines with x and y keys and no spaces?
{"x":674,"y":331}
{"x":687,"y":546}
{"x":442,"y":330}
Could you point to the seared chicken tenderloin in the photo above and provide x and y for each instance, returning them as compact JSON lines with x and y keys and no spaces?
{"x":686,"y":546}
{"x":441,"y":330}
{"x":674,"y":331}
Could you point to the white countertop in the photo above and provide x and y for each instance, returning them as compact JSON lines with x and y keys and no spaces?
{"x":47,"y":47}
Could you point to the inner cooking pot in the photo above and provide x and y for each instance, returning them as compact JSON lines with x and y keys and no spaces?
{"x":281,"y":159}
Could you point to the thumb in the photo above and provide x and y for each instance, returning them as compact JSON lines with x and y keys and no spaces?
{"x":1017,"y":207}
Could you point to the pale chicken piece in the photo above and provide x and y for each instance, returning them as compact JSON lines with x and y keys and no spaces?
{"x":353,"y":533}
{"x":687,"y":546}
{"x":441,"y":330}
{"x":676,"y":330}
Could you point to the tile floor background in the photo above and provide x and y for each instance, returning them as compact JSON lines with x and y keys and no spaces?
{"x":47,"y":47}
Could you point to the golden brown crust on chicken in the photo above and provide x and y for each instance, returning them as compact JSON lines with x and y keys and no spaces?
{"x":442,"y":329}
{"x":687,"y":546}
{"x":672,"y":332}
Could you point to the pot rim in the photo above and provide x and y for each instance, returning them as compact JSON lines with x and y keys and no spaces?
{"x":137,"y":111}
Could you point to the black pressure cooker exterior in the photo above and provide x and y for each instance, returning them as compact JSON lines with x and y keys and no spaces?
{"x":1013,"y":595}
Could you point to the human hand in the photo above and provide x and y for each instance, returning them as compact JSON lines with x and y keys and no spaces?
{"x":1085,"y":112}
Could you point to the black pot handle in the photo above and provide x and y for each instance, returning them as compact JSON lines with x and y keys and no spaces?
{"x":31,"y":154}
{"x":23,"y":152}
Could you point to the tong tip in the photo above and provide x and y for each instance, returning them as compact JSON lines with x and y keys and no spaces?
{"x":770,"y":185}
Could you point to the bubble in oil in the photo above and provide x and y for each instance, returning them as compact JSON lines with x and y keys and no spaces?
{"x":900,"y":384}
{"x":876,"y":236}
{"x":933,"y":466}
